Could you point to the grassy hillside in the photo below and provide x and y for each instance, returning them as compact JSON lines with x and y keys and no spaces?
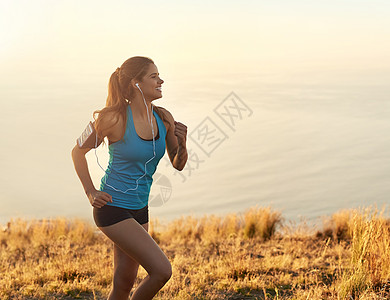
{"x":240,"y":256}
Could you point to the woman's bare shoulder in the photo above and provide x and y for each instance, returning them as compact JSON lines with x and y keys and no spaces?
{"x":109,"y":119}
{"x":167,"y":116}
{"x":108,"y":122}
{"x":166,"y":113}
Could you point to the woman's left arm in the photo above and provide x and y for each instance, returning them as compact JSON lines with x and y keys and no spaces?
{"x":180,"y":159}
{"x":176,"y":142}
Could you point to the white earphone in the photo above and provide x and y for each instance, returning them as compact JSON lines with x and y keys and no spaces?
{"x":154,"y":147}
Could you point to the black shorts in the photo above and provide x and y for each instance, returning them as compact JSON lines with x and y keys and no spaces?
{"x":109,"y":215}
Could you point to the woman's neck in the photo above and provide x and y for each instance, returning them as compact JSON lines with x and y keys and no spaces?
{"x":138,"y":109}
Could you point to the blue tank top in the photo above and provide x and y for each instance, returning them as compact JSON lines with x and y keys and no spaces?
{"x":126,"y":164}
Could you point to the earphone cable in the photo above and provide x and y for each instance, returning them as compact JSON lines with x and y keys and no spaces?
{"x":154,"y":151}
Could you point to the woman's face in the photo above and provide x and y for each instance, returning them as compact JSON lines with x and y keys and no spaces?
{"x":151,"y":83}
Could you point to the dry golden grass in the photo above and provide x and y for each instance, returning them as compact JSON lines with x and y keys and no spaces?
{"x":238,"y":256}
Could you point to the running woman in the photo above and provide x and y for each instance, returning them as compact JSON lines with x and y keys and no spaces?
{"x":138,"y":133}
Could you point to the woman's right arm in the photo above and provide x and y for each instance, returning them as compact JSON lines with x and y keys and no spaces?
{"x":96,"y":198}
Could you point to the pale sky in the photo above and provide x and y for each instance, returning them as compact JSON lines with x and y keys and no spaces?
{"x":73,"y":34}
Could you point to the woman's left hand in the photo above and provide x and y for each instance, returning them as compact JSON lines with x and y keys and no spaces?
{"x":181,"y":133}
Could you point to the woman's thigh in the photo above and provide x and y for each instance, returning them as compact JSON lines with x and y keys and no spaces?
{"x":125,"y":265}
{"x":133,"y":239}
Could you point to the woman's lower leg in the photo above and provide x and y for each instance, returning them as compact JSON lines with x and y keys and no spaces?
{"x":150,"y":286}
{"x":120,"y":291}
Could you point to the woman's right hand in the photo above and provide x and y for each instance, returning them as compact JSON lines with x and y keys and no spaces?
{"x":98,"y":198}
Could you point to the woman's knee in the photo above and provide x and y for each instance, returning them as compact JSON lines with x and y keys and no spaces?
{"x":164,"y":273}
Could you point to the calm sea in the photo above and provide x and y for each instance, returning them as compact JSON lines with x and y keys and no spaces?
{"x":308,"y":145}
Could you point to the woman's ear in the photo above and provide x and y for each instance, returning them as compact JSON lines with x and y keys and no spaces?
{"x":133,"y":83}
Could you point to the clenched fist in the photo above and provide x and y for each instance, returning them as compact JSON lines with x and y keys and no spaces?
{"x":181,"y":133}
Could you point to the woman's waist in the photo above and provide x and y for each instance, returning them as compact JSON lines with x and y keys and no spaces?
{"x":128,"y":198}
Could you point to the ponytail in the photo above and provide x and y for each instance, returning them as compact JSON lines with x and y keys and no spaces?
{"x":115,"y":103}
